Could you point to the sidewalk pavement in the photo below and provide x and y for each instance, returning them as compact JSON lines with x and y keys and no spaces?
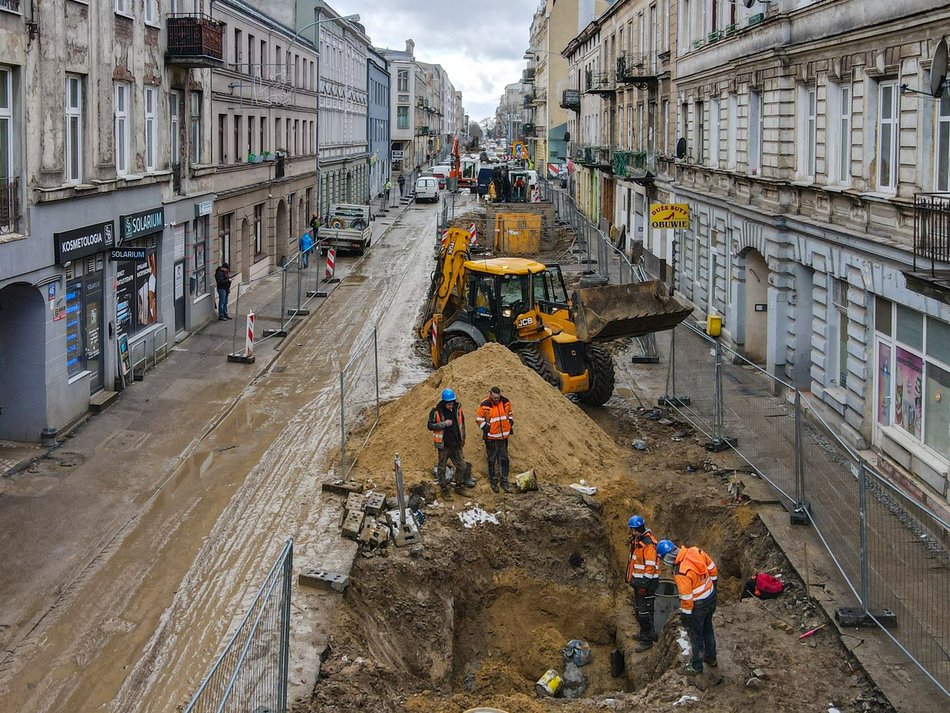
{"x":205,"y":351}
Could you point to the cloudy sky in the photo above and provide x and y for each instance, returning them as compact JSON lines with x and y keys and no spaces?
{"x":480,"y":43}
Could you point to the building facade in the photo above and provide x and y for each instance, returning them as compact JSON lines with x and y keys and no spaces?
{"x":377,"y":117}
{"x":403,"y":154}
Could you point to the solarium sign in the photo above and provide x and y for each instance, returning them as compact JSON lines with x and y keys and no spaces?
{"x":139,"y":224}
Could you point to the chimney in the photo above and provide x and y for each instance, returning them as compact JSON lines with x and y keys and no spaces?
{"x":410,"y":47}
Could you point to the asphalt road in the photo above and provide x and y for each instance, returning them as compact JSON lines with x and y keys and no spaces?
{"x":129,"y":560}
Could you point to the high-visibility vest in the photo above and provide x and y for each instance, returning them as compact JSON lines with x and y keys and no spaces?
{"x":497,"y":416}
{"x":437,"y":415}
{"x":642,"y":565}
{"x":695,"y":574}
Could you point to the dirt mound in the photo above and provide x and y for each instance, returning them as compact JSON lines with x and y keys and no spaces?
{"x":552,"y":435}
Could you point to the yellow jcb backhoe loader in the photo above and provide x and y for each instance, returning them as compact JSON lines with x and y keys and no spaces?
{"x":524,"y":305}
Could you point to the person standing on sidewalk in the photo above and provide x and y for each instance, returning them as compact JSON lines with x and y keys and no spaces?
{"x":222,"y":280}
{"x":695,"y":574}
{"x":495,"y":419}
{"x":315,"y":227}
{"x":387,"y":189}
{"x":643,"y":574}
{"x":447,"y":423}
{"x":402,"y":185}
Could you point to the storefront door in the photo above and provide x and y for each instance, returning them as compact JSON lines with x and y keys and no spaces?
{"x":179,"y":297}
{"x":92,"y":329}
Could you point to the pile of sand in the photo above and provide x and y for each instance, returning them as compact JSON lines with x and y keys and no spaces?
{"x":552,"y":435}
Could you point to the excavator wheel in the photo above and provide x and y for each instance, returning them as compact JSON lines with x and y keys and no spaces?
{"x":600,"y":366}
{"x":531,"y":358}
{"x":456,"y":346}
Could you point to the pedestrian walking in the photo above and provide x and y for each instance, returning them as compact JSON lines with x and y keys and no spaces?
{"x":306,"y":245}
{"x":315,"y":227}
{"x":402,"y":185}
{"x":643,"y":574}
{"x":222,"y":280}
{"x":695,"y":574}
{"x":447,"y":423}
{"x":387,"y":187}
{"x":497,"y":423}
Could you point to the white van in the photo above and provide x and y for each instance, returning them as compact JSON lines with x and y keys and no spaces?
{"x":427,"y":189}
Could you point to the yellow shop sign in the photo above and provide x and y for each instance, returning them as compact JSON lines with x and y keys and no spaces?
{"x":669,"y":215}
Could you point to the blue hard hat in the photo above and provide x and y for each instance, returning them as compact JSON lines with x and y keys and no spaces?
{"x":636,"y":522}
{"x":448,"y":395}
{"x":664,"y":547}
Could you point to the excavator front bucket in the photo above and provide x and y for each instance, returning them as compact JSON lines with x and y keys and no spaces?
{"x":631,"y":310}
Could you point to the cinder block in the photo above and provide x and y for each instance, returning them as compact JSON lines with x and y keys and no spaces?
{"x":374,"y":533}
{"x":354,"y":501}
{"x":342,"y":487}
{"x":352,"y":524}
{"x":373,"y":503}
{"x":324,"y":580}
{"x":407,"y":535}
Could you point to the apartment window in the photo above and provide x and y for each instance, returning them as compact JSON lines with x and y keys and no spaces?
{"x":731,"y":131}
{"x":151,"y":12}
{"x":887,"y":137}
{"x":224,"y":239}
{"x":277,"y":134}
{"x":755,"y":132}
{"x":842,"y":156}
{"x":222,"y":138}
{"x":700,"y":130}
{"x":714,"y":133}
{"x":807,"y":137}
{"x":838,"y":333}
{"x":403,"y":80}
{"x":943,"y":143}
{"x":6,"y":124}
{"x":73,"y":129}
{"x":250,"y":134}
{"x":195,"y":127}
{"x":684,"y":129}
{"x":913,"y":374}
{"x":149,"y":101}
{"x":251,"y":55}
{"x":665,"y":29}
{"x":259,"y":229}
{"x":173,"y":126}
{"x":122,"y":6}
{"x":665,"y":119}
{"x":239,"y":153}
{"x":238,"y":49}
{"x":641,"y":146}
{"x":262,"y":131}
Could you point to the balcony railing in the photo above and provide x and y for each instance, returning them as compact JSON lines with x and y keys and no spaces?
{"x":528,"y":99}
{"x":639,"y":69}
{"x":540,"y":96}
{"x":527,"y":76}
{"x":584,"y":155}
{"x":599,"y":82}
{"x":602,"y":158}
{"x":527,"y":129}
{"x":194,"y":40}
{"x":931,"y":231}
{"x":9,"y":204}
{"x":571,"y":99}
{"x":634,"y":164}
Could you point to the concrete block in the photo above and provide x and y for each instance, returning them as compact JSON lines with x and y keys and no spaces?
{"x":374,"y":533}
{"x":374,"y":503}
{"x":354,"y":501}
{"x":406,"y":535}
{"x":322,"y":579}
{"x":342,"y":487}
{"x":352,"y":524}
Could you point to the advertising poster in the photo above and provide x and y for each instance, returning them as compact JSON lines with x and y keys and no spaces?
{"x":74,"y":362}
{"x":124,"y":297}
{"x":908,"y":392}
{"x":883,"y":384}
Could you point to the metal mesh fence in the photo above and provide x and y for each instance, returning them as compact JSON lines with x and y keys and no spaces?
{"x":251,"y":672}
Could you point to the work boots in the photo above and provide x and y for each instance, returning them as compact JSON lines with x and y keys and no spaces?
{"x":469,"y":480}
{"x":504,"y":481}
{"x":493,"y":482}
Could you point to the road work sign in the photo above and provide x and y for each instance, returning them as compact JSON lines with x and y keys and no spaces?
{"x":669,"y":215}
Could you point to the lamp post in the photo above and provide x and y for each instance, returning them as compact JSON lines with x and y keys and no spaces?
{"x":316,"y":43}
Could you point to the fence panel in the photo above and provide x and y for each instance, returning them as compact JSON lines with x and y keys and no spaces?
{"x":359,"y":395}
{"x":251,"y":672}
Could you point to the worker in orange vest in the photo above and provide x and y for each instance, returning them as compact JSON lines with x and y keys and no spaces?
{"x":643,"y":574}
{"x":695,"y":574}
{"x":495,"y":419}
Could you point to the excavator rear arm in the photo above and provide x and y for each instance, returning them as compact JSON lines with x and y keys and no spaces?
{"x":448,"y":281}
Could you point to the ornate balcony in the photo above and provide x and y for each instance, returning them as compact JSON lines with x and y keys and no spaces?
{"x":931,"y":273}
{"x":194,"y":41}
{"x":527,"y":76}
{"x":640,"y":166}
{"x":599,"y":83}
{"x":639,"y":70}
{"x":570,"y":99}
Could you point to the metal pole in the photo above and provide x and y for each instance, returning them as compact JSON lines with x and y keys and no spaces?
{"x":718,"y":426}
{"x":863,"y":497}
{"x":342,"y":432}
{"x":299,"y":282}
{"x":285,"y":628}
{"x":672,"y":363}
{"x":376,"y":367}
{"x":283,"y":297}
{"x":799,"y":453}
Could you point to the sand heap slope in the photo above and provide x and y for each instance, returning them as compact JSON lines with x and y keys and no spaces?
{"x":552,"y":435}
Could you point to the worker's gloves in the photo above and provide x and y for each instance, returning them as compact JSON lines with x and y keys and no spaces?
{"x":485,"y":431}
{"x":511,"y":429}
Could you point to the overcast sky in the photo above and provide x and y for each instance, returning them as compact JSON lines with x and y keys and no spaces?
{"x":480,"y":43}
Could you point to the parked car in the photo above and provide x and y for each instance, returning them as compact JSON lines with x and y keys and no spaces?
{"x":485,"y":176}
{"x":427,"y":189}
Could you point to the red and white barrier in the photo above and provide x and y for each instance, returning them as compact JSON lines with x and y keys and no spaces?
{"x":472,"y":235}
{"x":444,"y":237}
{"x":249,"y":339}
{"x":331,"y":263}
{"x":435,"y":333}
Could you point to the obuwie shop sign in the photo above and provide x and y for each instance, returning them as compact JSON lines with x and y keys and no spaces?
{"x":144,"y":223}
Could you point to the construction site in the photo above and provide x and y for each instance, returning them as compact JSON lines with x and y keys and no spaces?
{"x":475,"y":599}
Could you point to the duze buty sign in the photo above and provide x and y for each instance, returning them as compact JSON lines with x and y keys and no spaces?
{"x":669,"y":215}
{"x":144,"y":223}
{"x":80,"y":242}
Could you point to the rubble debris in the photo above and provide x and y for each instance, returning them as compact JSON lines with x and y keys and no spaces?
{"x":526,"y":481}
{"x":337,"y":581}
{"x":578,"y":651}
{"x":477,"y":516}
{"x":549,"y":684}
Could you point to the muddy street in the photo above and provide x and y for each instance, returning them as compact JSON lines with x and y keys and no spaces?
{"x":140,"y":625}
